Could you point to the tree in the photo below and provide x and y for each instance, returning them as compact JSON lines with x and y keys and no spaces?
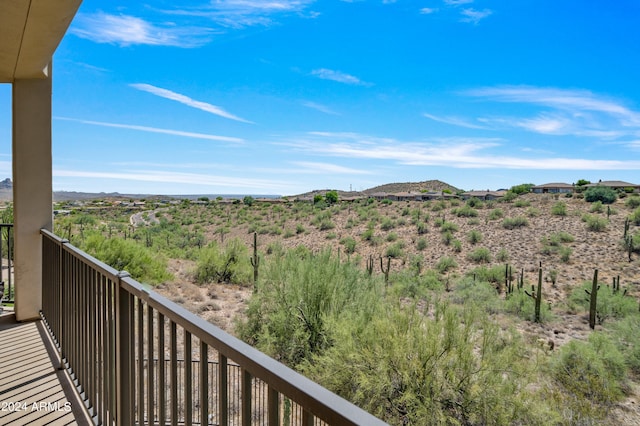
{"x":331,"y":197}
{"x":582,"y":182}
{"x":600,"y":193}
{"x":523,"y":188}
{"x":248,"y":200}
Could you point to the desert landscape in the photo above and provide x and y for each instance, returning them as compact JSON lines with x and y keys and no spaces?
{"x":417,"y":250}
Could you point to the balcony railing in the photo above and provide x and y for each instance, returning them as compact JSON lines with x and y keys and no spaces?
{"x":138,"y":358}
{"x":6,"y":261}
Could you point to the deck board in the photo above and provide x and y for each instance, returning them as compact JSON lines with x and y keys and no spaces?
{"x":32,"y":389}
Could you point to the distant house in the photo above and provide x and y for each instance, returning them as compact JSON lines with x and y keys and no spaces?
{"x":405,"y":196}
{"x":483,"y":195}
{"x":616,"y":184}
{"x":553,"y":188}
{"x":379,"y":196}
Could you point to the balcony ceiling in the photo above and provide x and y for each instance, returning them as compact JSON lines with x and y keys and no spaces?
{"x":30,"y":31}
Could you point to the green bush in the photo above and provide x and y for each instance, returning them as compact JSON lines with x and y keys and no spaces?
{"x":349,"y":244}
{"x":496,"y":214}
{"x":455,"y":368}
{"x":635,"y":216}
{"x":480,"y":255}
{"x":298,"y":301}
{"x":421,"y":244}
{"x":610,"y":304}
{"x":474,"y":236}
{"x":229,"y":264}
{"x":592,"y":373}
{"x":445,"y":264}
{"x":633,"y":201}
{"x":600,"y":193}
{"x":139,"y":261}
{"x":559,"y":209}
{"x":521,"y":304}
{"x":395,"y":250}
{"x":514,"y":222}
{"x":448,"y":227}
{"x":466,"y":211}
{"x":595,"y":223}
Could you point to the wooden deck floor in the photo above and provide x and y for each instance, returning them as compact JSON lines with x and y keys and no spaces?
{"x":32,"y":389}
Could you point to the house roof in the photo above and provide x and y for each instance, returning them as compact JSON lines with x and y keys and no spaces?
{"x":30,"y":31}
{"x":554,"y":185}
{"x":614,"y":183}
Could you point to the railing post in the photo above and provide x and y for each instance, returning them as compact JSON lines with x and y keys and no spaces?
{"x":124,"y":369}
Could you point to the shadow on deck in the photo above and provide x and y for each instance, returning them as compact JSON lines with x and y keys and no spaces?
{"x":32,"y":388}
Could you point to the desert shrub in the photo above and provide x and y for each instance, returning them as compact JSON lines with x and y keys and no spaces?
{"x":446,"y":264}
{"x":331,"y":236}
{"x":635,"y":216}
{"x":596,"y":207}
{"x":456,"y":246}
{"x":466,"y":211}
{"x":300,"y":229}
{"x":228,"y":264}
{"x":514,"y":222}
{"x":395,"y":250}
{"x":480,"y":255}
{"x":479,"y":293}
{"x":299,"y":299}
{"x":493,"y":274}
{"x":421,"y":228}
{"x":496,"y":214}
{"x":349,"y":244}
{"x":625,"y":334}
{"x":523,"y":188}
{"x":391,"y":237}
{"x":474,"y":236}
{"x":502,"y":255}
{"x":455,"y":368}
{"x":421,"y":244}
{"x":559,"y":209}
{"x":533,"y":212}
{"x":521,"y":304}
{"x":448,"y":227}
{"x":610,"y":304}
{"x":595,"y":223}
{"x":126,"y":255}
{"x":447,"y":238}
{"x":367,"y":235}
{"x":416,"y":286}
{"x":522,"y":203}
{"x":387,"y":224}
{"x":592,"y":373}
{"x":600,"y":193}
{"x":633,"y":201}
{"x":565,"y":253}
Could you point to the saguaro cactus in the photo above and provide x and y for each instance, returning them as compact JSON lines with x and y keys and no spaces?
{"x":386,"y":271}
{"x":255,"y":261}
{"x":593,"y":300}
{"x":537,"y":297}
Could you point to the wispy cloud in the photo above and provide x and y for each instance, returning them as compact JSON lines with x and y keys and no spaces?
{"x":428,"y":10}
{"x":245,"y":13}
{"x":340,"y":77}
{"x":319,"y":107}
{"x":127,"y":30}
{"x":224,"y":182}
{"x":185,"y":100}
{"x":576,"y":112}
{"x":328,"y":168}
{"x":455,"y":121}
{"x":447,"y":152}
{"x":156,"y":130}
{"x":457,"y":2}
{"x":474,"y":16}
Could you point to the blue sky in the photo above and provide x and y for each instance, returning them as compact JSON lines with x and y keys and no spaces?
{"x":287,"y":96}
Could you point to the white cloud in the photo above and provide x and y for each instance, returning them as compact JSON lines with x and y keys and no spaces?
{"x":129,"y":30}
{"x":245,"y":13}
{"x":319,"y":107}
{"x":428,"y":10}
{"x":474,"y":16}
{"x":456,"y":121}
{"x":156,"y":130}
{"x":457,"y":2}
{"x":328,"y":168}
{"x":463,"y":153}
{"x":225,"y":182}
{"x":327,"y":74}
{"x":575,"y":112}
{"x":185,"y":100}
